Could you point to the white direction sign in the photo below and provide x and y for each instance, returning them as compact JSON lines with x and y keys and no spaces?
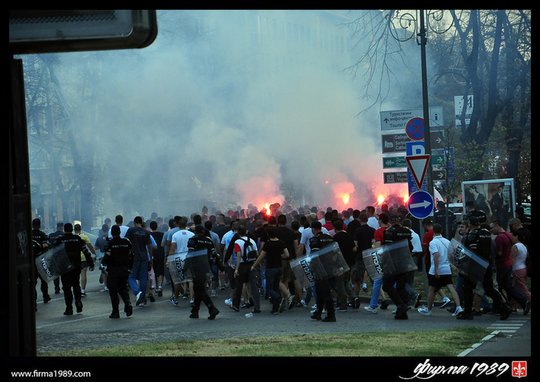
{"x":397,"y":119}
{"x":418,"y":165}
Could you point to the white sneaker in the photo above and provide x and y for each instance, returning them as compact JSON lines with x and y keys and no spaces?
{"x":290,"y":302}
{"x":303,"y":303}
{"x":228,"y":302}
{"x":371,"y":310}
{"x":140,"y":298}
{"x":423,"y":310}
{"x":445,"y":301}
{"x":458,"y":311}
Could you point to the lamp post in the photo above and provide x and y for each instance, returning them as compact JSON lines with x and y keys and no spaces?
{"x":403,"y":27}
{"x":425,"y":100}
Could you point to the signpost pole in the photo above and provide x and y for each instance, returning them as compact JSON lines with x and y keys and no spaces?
{"x":427,"y":134}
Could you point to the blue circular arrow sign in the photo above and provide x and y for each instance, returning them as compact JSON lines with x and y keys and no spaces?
{"x":420,"y":204}
{"x":415,"y":129}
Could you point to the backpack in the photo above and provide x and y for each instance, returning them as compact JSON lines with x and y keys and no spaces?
{"x":249,"y":253}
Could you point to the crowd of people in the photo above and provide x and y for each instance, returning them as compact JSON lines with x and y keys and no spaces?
{"x":248,"y":254}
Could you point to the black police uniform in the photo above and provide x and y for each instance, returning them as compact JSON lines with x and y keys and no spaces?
{"x":394,"y":285}
{"x":196,"y":243}
{"x":322,"y":287}
{"x":478,"y":240}
{"x":73,"y":245}
{"x":440,"y":217}
{"x":118,"y":259}
{"x":38,"y":239}
{"x":53,"y":240}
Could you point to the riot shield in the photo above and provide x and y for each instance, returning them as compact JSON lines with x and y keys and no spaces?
{"x":396,"y":258}
{"x":469,"y":264}
{"x":197,"y":265}
{"x":302,"y":270}
{"x":53,"y":263}
{"x":175,"y":265}
{"x":328,"y":262}
{"x":372,"y":261}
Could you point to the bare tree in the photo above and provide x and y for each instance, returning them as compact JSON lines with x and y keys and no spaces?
{"x":490,"y":53}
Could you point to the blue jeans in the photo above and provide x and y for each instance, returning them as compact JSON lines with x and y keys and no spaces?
{"x":374,"y":302}
{"x":139,"y":271}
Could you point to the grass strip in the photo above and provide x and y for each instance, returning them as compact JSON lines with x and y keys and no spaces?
{"x":405,"y":344}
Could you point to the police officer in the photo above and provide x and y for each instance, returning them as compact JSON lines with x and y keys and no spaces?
{"x":53,"y":237}
{"x":73,"y":245}
{"x":394,"y":284}
{"x":324,"y":295}
{"x":447,"y":219}
{"x":118,"y":259}
{"x":195,"y":243}
{"x":478,"y":240}
{"x":39,"y":245}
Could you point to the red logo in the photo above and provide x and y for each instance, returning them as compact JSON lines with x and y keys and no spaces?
{"x":519,"y":369}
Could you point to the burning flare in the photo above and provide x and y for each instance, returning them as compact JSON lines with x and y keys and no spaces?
{"x":342,"y":192}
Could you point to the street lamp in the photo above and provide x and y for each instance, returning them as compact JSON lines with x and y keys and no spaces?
{"x":404,"y":25}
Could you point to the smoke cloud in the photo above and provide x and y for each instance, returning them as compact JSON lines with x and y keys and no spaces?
{"x":228,"y":108}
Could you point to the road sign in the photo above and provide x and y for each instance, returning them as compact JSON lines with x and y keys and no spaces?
{"x":438,"y":175}
{"x":392,"y":143}
{"x":420,"y":204}
{"x":417,"y":166}
{"x":397,"y":119}
{"x":411,"y":183}
{"x":437,"y":139}
{"x":442,"y":158}
{"x":415,"y":148}
{"x":394,"y":162}
{"x":415,"y":129}
{"x":411,"y":149}
{"x":395,"y":177}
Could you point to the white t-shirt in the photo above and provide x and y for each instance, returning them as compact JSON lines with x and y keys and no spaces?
{"x":373,"y":222}
{"x":440,"y":245}
{"x":415,"y":241}
{"x":123,"y":231}
{"x":181,"y":238}
{"x":226,"y":241}
{"x":518,"y":261}
{"x":308,"y":234}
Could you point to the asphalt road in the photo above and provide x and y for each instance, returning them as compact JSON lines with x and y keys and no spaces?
{"x":160,"y":321}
